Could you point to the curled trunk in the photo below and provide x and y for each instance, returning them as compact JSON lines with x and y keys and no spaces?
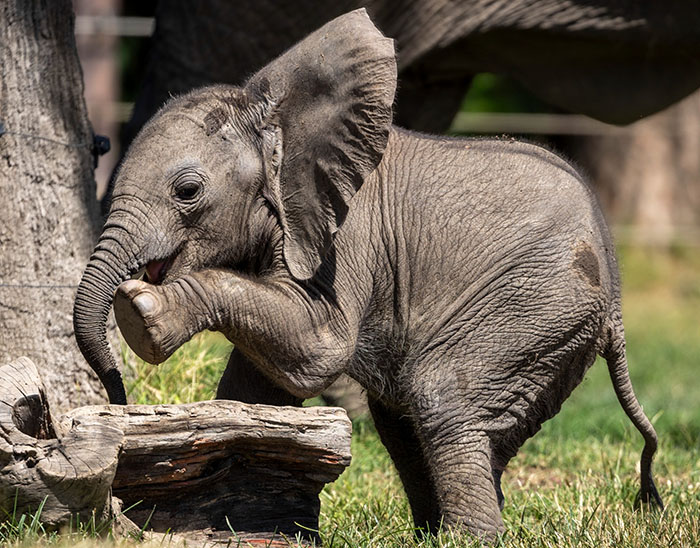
{"x":105,"y":271}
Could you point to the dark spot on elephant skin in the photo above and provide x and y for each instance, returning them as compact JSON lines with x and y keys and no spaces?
{"x":214,"y":120}
{"x":587,"y":264}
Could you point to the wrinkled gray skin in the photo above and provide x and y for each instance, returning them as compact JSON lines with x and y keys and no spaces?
{"x":615,"y":60}
{"x":466,"y":284}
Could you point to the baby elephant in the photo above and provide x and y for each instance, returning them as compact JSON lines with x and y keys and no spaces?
{"x":467,"y":284}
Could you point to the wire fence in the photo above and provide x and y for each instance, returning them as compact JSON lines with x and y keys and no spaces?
{"x":114,"y":25}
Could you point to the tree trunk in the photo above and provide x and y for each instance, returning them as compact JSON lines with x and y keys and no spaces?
{"x":48,"y":208}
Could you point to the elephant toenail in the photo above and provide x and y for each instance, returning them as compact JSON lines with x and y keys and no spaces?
{"x":145,"y":303}
{"x":130,"y":287}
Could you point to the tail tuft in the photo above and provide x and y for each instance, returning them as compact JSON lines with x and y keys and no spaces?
{"x":649,"y":495}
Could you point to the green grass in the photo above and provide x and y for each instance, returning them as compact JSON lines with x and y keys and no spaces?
{"x":574,"y":483}
{"x":191,"y":374}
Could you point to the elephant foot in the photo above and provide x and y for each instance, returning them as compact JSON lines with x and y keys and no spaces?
{"x":149,"y":322}
{"x":466,"y":485}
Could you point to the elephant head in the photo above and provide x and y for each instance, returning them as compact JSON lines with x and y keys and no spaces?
{"x":254,"y":178}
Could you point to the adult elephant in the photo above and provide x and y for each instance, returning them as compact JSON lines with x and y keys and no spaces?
{"x":614,"y":60}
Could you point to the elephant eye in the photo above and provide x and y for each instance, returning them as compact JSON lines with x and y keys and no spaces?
{"x":187,"y":190}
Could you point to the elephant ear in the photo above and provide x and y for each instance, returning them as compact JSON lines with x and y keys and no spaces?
{"x":328,"y":115}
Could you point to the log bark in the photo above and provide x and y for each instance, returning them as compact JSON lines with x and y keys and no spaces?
{"x":67,"y":474}
{"x":213,"y":471}
{"x":49,"y":213}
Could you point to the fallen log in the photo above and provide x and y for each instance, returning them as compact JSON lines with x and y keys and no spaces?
{"x":68,"y":472}
{"x":215,"y":471}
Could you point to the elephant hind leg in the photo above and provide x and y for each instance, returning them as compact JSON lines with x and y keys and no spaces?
{"x":398,"y":435}
{"x":460,"y":464}
{"x":619,"y":374}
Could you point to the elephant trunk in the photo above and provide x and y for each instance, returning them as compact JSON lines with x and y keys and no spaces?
{"x":109,"y":266}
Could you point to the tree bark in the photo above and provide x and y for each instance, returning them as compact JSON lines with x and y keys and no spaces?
{"x":48,"y":208}
{"x":203,"y":470}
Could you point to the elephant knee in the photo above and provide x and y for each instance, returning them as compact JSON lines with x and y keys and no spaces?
{"x":305,"y":385}
{"x":242,"y":381}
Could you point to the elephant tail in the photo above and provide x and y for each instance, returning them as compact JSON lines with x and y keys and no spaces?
{"x":619,"y":373}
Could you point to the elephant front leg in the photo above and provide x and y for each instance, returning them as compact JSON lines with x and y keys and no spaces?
{"x":301,"y":344}
{"x":242,"y":381}
{"x":458,"y":452}
{"x":459,"y":460}
{"x":397,"y":432}
{"x":156,"y":320}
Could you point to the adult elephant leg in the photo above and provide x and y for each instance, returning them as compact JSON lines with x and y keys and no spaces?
{"x":243,"y":382}
{"x":428,"y":102}
{"x":348,"y":394}
{"x":398,"y":435}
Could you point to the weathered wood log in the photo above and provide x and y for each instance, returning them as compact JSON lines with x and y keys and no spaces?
{"x":70,"y":474}
{"x":219,"y":465}
{"x":201,"y":470}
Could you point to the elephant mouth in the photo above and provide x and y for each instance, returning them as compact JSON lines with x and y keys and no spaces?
{"x":156,"y":270}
